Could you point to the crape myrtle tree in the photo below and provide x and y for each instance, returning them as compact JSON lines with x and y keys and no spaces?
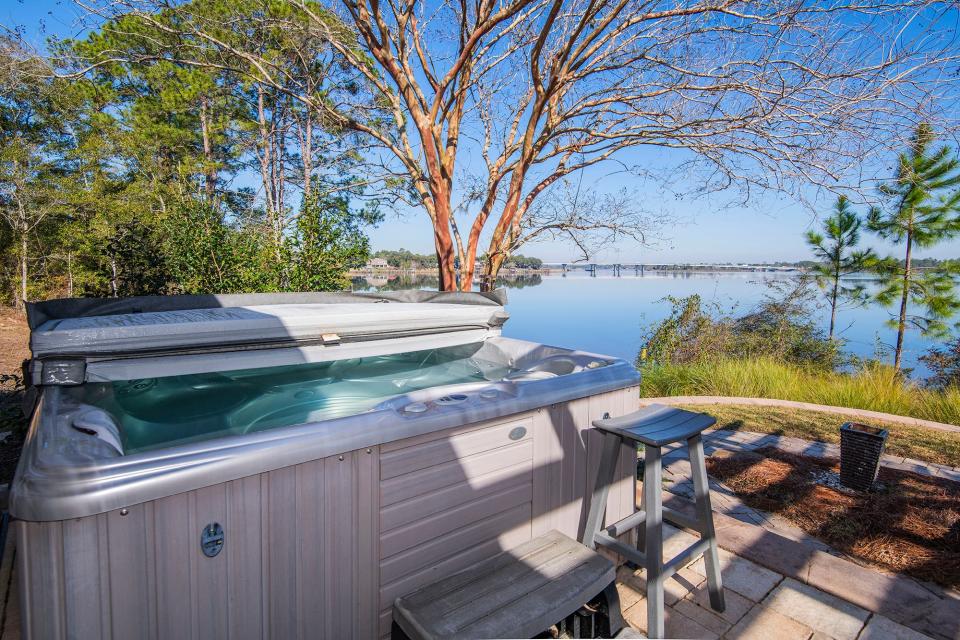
{"x":837,"y":256}
{"x":921,"y":209}
{"x":497,"y":101}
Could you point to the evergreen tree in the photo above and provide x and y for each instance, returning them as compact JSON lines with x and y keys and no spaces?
{"x":921,"y":209}
{"x":836,"y":251}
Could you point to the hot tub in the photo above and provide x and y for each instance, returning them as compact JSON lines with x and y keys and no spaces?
{"x":286,"y":465}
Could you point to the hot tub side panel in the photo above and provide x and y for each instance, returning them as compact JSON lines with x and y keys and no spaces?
{"x":454,"y":498}
{"x":319,"y":549}
{"x":298,"y":561}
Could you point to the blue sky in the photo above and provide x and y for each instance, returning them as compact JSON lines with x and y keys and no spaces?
{"x":769,"y":228}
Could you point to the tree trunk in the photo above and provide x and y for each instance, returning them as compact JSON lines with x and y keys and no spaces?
{"x":833,"y":313}
{"x":265,"y":148}
{"x":446,"y":267}
{"x":113,"y":276}
{"x":833,"y":302}
{"x":904,"y":298}
{"x":210,"y":168}
{"x":23,"y":269}
{"x":69,"y":275}
{"x":503,"y":235}
{"x":307,"y":151}
{"x":268,"y":171}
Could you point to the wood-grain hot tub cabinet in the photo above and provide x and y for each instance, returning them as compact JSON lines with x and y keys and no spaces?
{"x":287,"y":529}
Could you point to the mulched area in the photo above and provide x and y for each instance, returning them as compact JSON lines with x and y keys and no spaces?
{"x":908,"y":524}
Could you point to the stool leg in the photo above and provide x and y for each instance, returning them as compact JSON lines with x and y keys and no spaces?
{"x":701,"y":488}
{"x":653,"y":541}
{"x":598,"y":500}
{"x":641,"y":531}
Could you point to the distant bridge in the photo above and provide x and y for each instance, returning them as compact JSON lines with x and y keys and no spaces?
{"x":639,"y":268}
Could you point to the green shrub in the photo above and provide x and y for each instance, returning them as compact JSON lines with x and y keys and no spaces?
{"x":944,"y":365}
{"x":780,"y":327}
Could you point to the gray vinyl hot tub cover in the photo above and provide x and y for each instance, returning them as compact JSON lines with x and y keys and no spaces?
{"x":79,"y":327}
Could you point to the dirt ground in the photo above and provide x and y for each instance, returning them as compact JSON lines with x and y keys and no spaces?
{"x":908,"y":523}
{"x":14,"y":349}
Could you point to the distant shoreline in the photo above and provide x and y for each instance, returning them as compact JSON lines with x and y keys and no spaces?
{"x":624,"y":268}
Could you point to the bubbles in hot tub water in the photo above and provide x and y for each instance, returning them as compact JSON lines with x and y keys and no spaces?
{"x":162,"y":412}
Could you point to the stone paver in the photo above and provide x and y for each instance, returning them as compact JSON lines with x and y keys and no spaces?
{"x":675,"y":624}
{"x":821,"y":611}
{"x":899,"y":598}
{"x":707,"y":618}
{"x":746,"y":578}
{"x":881,"y":628}
{"x":675,"y":540}
{"x":767,"y":624}
{"x":628,"y":590}
{"x":736,"y":605}
{"x":675,"y":588}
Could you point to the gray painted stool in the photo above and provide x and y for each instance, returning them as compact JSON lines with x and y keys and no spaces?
{"x":656,"y":426}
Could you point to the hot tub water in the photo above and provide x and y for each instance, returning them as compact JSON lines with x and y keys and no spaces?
{"x":161,"y":412}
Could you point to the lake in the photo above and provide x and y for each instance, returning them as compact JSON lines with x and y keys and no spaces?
{"x":610,"y":315}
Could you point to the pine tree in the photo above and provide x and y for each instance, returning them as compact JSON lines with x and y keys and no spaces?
{"x":835,"y":248}
{"x":921,"y":209}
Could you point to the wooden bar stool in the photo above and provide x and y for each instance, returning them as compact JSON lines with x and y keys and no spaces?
{"x":656,"y":426}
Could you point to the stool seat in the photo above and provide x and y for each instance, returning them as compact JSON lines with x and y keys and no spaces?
{"x":657,"y":425}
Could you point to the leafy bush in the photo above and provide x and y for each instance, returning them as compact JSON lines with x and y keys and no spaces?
{"x":780,"y":328}
{"x":207,"y":256}
{"x":329,"y":240}
{"x":944,"y":365}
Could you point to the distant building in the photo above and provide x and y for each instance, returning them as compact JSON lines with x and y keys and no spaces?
{"x":377,"y":263}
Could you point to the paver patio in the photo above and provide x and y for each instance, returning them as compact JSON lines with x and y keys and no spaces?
{"x":761,"y":603}
{"x":780,"y":582}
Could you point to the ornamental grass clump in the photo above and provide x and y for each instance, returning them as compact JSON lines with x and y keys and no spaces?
{"x":777,"y":351}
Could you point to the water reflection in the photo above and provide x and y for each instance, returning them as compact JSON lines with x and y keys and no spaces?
{"x":395,"y":282}
{"x":610,"y":315}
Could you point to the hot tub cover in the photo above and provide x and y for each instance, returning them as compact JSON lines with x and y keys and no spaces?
{"x":144,"y":325}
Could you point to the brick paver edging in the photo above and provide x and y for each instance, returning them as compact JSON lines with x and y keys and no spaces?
{"x":929,"y":610}
{"x":792,"y":404}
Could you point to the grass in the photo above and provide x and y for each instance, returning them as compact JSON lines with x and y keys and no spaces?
{"x":907,"y":524}
{"x":876,"y":388}
{"x":928,"y":445}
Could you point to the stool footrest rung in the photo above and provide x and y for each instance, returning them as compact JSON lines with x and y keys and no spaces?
{"x":632,"y":521}
{"x":681,"y":519}
{"x":636,"y":556}
{"x":677,"y":562}
{"x":625,"y":550}
{"x":637,"y":518}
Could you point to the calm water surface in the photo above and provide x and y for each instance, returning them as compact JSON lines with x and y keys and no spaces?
{"x":610,"y":315}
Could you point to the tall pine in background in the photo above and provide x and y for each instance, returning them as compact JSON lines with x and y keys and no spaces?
{"x":836,"y":250}
{"x":921,"y":209}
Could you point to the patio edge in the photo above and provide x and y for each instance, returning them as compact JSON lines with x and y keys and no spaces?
{"x":793,"y":404}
